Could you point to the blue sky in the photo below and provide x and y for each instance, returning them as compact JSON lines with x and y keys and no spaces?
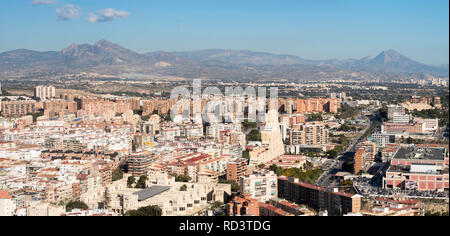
{"x":312,"y":29}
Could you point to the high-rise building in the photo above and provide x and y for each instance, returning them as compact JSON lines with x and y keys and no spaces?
{"x":236,"y":169}
{"x":359,"y":160}
{"x":271,"y":139}
{"x":311,"y":133}
{"x":317,"y":105}
{"x":59,"y":106}
{"x":310,"y":105}
{"x":139,"y":163}
{"x":44,"y":92}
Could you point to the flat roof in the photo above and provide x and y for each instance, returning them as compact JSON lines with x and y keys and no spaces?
{"x":420,"y":153}
{"x":151,"y":192}
{"x":407,"y":169}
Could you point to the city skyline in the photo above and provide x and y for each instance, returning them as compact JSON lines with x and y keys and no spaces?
{"x":339,"y":29}
{"x":213,"y":108}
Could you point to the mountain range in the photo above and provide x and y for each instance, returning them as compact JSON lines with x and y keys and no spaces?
{"x":109,"y":58}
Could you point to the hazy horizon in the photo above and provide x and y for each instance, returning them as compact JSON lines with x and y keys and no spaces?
{"x":316,"y":30}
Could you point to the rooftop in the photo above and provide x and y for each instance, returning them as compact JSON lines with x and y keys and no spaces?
{"x":420,"y":153}
{"x":151,"y":192}
{"x":4,"y":195}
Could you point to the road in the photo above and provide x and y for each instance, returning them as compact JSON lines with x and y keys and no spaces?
{"x":326,"y":179}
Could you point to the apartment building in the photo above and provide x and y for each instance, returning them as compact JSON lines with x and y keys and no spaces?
{"x":55,"y":107}
{"x":359,"y":160}
{"x":395,"y":110}
{"x":243,"y":205}
{"x":311,"y":133}
{"x":320,"y":199}
{"x":400,"y":118}
{"x":139,"y":163}
{"x":261,"y":185}
{"x":7,"y":204}
{"x":311,"y":105}
{"x":45,"y":92}
{"x":163,"y":191}
{"x":381,"y":139}
{"x":236,"y":169}
{"x":18,"y":108}
{"x":160,"y":107}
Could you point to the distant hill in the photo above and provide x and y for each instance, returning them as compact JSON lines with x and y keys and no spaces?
{"x":110,"y":58}
{"x":244,"y":57}
{"x":392,"y":61}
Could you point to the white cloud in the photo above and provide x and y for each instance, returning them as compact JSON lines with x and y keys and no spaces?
{"x":107,"y":14}
{"x":44,"y":2}
{"x":68,"y":12}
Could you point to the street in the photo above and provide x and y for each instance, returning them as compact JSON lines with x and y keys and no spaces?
{"x":326,"y":179}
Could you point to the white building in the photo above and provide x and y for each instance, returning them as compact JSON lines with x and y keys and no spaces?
{"x":163,"y":192}
{"x":261,"y":185}
{"x":430,"y":125}
{"x":45,"y":92}
{"x":400,"y":118}
{"x":380,"y":139}
{"x":271,"y":140}
{"x":7,"y":204}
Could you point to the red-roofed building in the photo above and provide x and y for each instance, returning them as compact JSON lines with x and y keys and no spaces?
{"x":242,"y":206}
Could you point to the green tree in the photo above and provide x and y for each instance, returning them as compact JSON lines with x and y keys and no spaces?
{"x":246,"y":154}
{"x":182,"y":178}
{"x":141,"y":182}
{"x":254,"y":135}
{"x":249,"y":125}
{"x":36,"y":115}
{"x":216,"y":205}
{"x":106,"y":200}
{"x":184,"y":188}
{"x":76,"y":205}
{"x":277,"y":170}
{"x":146,"y":118}
{"x":131,"y":180}
{"x":145,"y":211}
{"x":332,"y":153}
{"x":117,"y":174}
{"x":315,"y":117}
{"x":409,"y":140}
{"x":309,"y":176}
